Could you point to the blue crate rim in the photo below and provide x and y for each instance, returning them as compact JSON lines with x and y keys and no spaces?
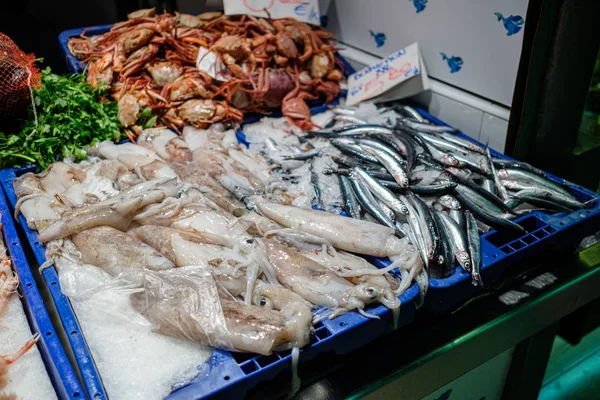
{"x":60,"y":371}
{"x":85,"y":363}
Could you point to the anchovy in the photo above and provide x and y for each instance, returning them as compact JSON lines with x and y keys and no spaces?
{"x":364,"y":129}
{"x":555,"y":197}
{"x":502,"y":193}
{"x":368,"y":202}
{"x":474,"y":248}
{"x":354,"y":150}
{"x":474,"y":162}
{"x":467,"y":144}
{"x":447,"y":159}
{"x":391,"y":185}
{"x":382,"y":193}
{"x":443,"y":144}
{"x":402,"y":132}
{"x":532,"y":208}
{"x":526,"y":176}
{"x":458,"y":241}
{"x":351,"y":204}
{"x":314,"y":179}
{"x":514,"y":164}
{"x":302,"y":156}
{"x":431,"y":227}
{"x":435,"y":189}
{"x":419,"y":235}
{"x":489,"y":186}
{"x":382,"y":147}
{"x":543,"y":203}
{"x":488,"y":217}
{"x":350,"y":119}
{"x":430,"y":162}
{"x":342,"y":162}
{"x":343,"y":110}
{"x":405,"y":146}
{"x":417,"y":126}
{"x":413,"y":113}
{"x":482,"y":192}
{"x":459,"y":217}
{"x":391,"y":142}
{"x":449,"y":201}
{"x":446,"y":249}
{"x":390,"y":163}
{"x":388,"y":211}
{"x":516,"y":185}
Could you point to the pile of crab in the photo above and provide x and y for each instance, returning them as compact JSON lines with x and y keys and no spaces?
{"x":209,"y":68}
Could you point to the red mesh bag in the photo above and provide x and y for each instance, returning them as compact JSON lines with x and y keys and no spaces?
{"x":17,"y":73}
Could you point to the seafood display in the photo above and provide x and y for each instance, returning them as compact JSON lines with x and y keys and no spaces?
{"x":209,"y":68}
{"x":219,"y":245}
{"x":246,"y":247}
{"x":417,"y":180}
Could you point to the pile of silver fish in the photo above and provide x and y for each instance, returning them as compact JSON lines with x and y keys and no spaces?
{"x":206,"y":235}
{"x":429,"y":185}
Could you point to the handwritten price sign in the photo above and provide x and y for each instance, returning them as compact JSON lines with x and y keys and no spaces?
{"x":302,"y":10}
{"x":383,"y":79}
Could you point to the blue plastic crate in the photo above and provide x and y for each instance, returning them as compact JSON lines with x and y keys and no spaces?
{"x":85,"y":363}
{"x":502,"y":249}
{"x":61,"y":373}
{"x":225,"y":372}
{"x":73,"y":64}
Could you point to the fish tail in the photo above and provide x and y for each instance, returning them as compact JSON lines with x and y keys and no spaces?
{"x":371,"y":32}
{"x":444,"y":56}
{"x":499,"y":15}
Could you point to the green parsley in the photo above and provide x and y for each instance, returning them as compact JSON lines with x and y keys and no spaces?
{"x":71,"y":116}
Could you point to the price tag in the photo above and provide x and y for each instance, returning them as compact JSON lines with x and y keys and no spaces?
{"x":302,"y":10}
{"x":399,"y":75}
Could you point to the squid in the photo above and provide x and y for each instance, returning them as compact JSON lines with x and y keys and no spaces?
{"x":115,"y":251}
{"x":194,"y":309}
{"x":166,"y":143}
{"x":143,"y":161}
{"x":192,"y":174}
{"x":316,"y":283}
{"x":117,"y":212}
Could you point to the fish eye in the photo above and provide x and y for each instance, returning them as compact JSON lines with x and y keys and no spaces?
{"x":264,"y":302}
{"x":371,"y":292}
{"x":249,"y":241}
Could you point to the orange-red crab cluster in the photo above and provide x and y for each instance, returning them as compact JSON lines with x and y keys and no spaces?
{"x":152,"y":61}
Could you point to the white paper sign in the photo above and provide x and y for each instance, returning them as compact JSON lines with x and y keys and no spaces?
{"x":302,"y":10}
{"x":401,"y":74}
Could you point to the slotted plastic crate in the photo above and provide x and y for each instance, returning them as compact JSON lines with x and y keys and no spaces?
{"x":225,"y":372}
{"x":501,"y":249}
{"x":61,"y":373}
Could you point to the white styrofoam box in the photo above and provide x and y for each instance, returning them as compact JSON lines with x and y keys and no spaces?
{"x":484,"y":56}
{"x":493,"y":132}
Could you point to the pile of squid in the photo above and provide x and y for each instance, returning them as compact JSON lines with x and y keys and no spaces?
{"x":206,"y":233}
{"x":199,"y":70}
{"x":428,"y":184}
